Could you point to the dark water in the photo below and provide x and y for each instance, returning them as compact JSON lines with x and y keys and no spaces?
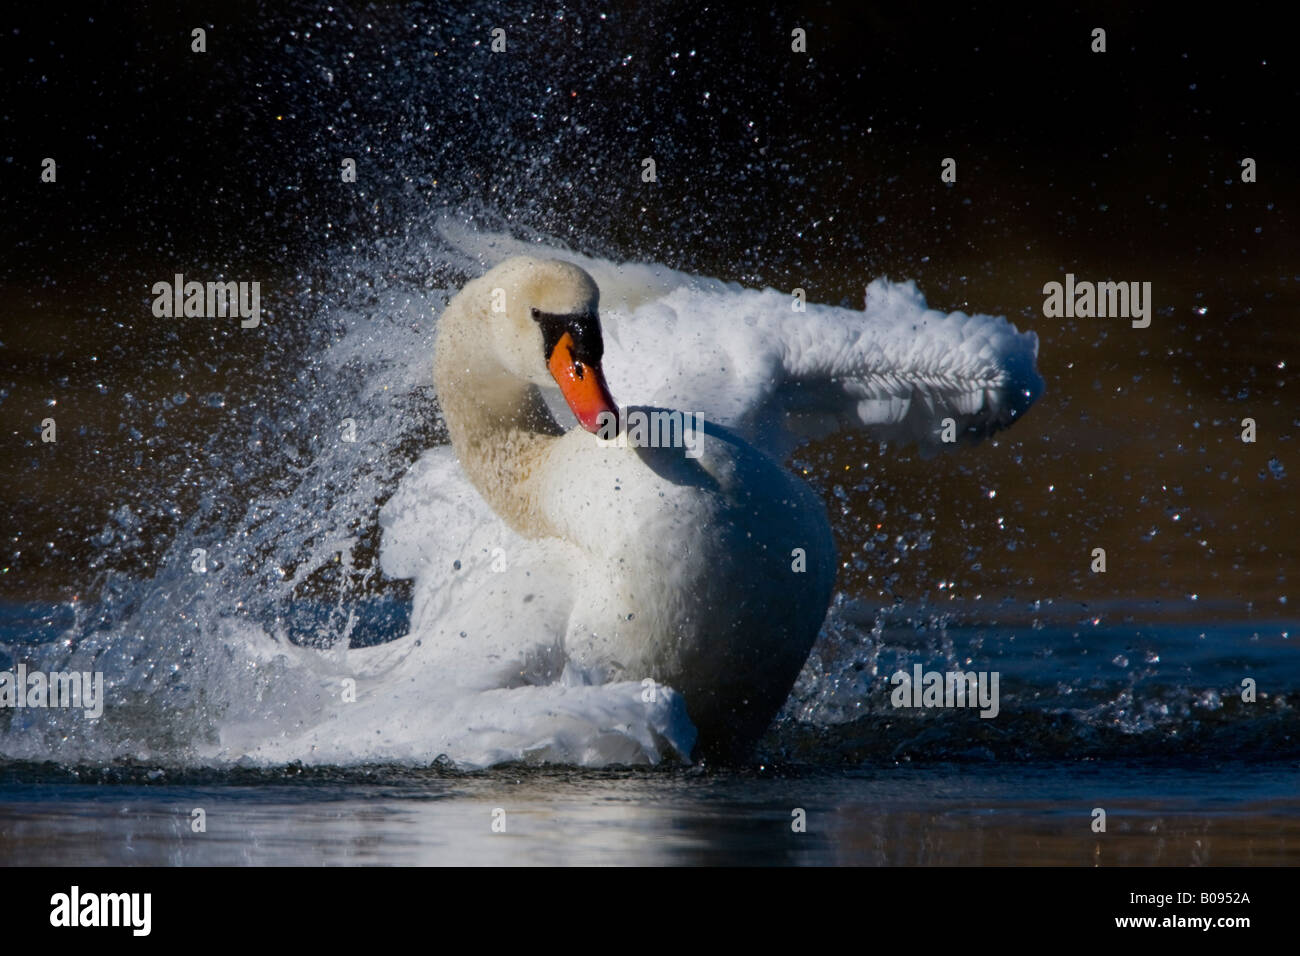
{"x":952,"y":814}
{"x":1121,"y":690}
{"x":1145,"y":723}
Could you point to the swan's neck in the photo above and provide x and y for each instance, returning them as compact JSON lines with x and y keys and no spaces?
{"x":499,"y":425}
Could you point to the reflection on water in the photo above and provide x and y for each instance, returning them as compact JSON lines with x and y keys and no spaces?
{"x":945,"y":815}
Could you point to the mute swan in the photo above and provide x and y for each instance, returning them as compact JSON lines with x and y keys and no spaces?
{"x":710,"y":571}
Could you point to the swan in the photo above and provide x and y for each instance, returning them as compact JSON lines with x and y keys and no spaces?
{"x":701,"y":571}
{"x":707,"y":568}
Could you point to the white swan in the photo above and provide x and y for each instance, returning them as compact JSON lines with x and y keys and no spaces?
{"x":707,"y":568}
{"x":711,"y":574}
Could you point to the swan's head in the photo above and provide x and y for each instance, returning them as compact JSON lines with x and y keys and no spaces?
{"x":546,"y":330}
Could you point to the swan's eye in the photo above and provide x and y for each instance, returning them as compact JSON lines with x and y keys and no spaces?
{"x":583,"y":327}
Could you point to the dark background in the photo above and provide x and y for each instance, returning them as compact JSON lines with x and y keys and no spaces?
{"x":820,"y":171}
{"x":166,"y":152}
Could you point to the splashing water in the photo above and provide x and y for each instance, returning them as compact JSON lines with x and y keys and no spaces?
{"x":271,"y":633}
{"x":246,"y":659}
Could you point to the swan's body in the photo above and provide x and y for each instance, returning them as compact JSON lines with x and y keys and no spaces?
{"x":581,"y":563}
{"x":708,"y":572}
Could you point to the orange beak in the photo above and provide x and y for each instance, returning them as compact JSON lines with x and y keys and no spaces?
{"x":582,"y":385}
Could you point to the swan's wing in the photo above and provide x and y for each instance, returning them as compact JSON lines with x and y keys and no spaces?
{"x":489,"y":608}
{"x":895,"y":370}
{"x":413,"y":721}
{"x":746,"y":359}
